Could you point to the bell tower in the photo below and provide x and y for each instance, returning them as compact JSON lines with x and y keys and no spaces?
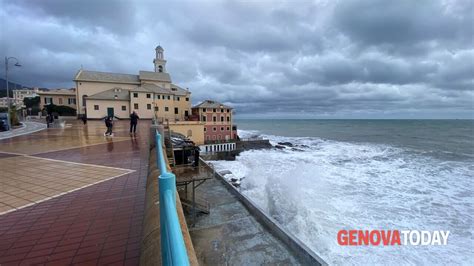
{"x":159,"y":61}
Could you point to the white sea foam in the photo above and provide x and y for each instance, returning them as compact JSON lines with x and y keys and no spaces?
{"x":319,"y":187}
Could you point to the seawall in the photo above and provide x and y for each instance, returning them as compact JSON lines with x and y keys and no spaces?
{"x":306,"y":255}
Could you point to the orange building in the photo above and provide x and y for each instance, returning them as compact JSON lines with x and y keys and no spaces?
{"x":217,"y":119}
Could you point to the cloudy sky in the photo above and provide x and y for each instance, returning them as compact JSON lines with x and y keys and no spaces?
{"x":295,"y":59}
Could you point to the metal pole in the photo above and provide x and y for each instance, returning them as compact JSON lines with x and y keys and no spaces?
{"x":8,"y":94}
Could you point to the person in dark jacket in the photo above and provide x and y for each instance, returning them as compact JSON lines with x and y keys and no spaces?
{"x":84,"y":119}
{"x":109,"y":125}
{"x":133,"y":122}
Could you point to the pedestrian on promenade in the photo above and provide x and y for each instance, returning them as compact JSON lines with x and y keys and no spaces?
{"x":109,"y":124}
{"x":47,"y":120}
{"x":84,"y":119}
{"x":133,"y":122}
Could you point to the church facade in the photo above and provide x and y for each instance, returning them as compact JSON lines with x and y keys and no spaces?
{"x":150,"y":94}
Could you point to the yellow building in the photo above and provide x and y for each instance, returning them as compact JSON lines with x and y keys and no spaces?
{"x":149,"y":94}
{"x":62,"y":97}
{"x":194,"y":130}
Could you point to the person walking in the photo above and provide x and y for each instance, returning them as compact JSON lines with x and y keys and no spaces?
{"x":109,"y":125}
{"x":84,"y":119}
{"x":133,"y":122}
{"x":48,"y":120}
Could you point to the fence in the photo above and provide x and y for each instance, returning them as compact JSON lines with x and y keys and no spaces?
{"x":173,"y":250}
{"x":211,"y":148}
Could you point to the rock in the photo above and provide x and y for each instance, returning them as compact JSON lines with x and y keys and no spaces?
{"x":296,"y":149}
{"x":225,"y":172}
{"x":289,"y":144}
{"x":279,"y":147}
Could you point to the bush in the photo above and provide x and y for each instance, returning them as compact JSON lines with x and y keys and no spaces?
{"x":14,"y":121}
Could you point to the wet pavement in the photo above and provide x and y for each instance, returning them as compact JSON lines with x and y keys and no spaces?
{"x":27,"y":128}
{"x":72,"y":196}
{"x":229,"y":234}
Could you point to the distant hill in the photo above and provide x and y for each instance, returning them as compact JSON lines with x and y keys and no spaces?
{"x":11,"y":85}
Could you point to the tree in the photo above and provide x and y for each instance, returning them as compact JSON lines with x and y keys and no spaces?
{"x":31,"y":102}
{"x":14,"y":117}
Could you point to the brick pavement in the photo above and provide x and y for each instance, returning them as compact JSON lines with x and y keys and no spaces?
{"x":98,"y":224}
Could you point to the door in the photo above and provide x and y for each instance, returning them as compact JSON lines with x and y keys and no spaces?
{"x":110,"y":112}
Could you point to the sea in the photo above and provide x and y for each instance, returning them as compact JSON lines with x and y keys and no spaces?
{"x":365,"y":175}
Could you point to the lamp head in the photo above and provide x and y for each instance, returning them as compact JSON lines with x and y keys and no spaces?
{"x":18,"y":64}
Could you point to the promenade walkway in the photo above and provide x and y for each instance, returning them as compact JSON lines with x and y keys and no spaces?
{"x":229,"y":234}
{"x":72,"y":196}
{"x":27,"y":128}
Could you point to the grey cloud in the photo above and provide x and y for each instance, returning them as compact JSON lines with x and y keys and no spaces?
{"x":324,"y":58}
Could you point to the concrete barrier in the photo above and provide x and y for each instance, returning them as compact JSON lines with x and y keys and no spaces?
{"x":307,"y":256}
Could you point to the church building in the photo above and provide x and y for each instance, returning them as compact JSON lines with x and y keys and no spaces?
{"x":150,"y":94}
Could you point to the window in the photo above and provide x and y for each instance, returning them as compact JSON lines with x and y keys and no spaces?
{"x":228,"y":119}
{"x":96,"y":107}
{"x":222,"y":128}
{"x":71,"y":101}
{"x":176,"y":111}
{"x":135,"y":95}
{"x":214,"y":110}
{"x":205,"y":129}
{"x":60,"y":100}
{"x":228,"y":110}
{"x":228,"y":128}
{"x":158,"y":96}
{"x":177,"y":98}
{"x":166,"y":109}
{"x":160,"y":68}
{"x":214,"y":119}
{"x":169,"y":97}
{"x":204,"y":118}
{"x":187,"y":99}
{"x":148,"y":106}
{"x":214,"y":129}
{"x":222,"y":110}
{"x":156,"y":108}
{"x":148,"y":95}
{"x":222,"y":119}
{"x":204,"y":110}
{"x":214,"y":137}
{"x":48,"y":100}
{"x":124,"y":108}
{"x":218,"y":136}
{"x":135,"y":106}
{"x":208,"y":137}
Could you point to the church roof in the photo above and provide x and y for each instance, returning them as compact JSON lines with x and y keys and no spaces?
{"x":159,"y":48}
{"x":96,"y":76}
{"x":212,"y":104}
{"x":112,"y":94}
{"x":175,"y":90}
{"x":155,"y":76}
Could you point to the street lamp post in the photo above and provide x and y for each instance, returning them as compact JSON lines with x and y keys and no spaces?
{"x":7,"y":59}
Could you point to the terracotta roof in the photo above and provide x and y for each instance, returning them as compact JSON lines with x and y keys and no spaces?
{"x":112,"y":94}
{"x":58,"y":92}
{"x":155,"y":76}
{"x":86,"y":75}
{"x":211,"y":104}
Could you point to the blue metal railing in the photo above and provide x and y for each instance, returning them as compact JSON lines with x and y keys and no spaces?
{"x":173,"y":250}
